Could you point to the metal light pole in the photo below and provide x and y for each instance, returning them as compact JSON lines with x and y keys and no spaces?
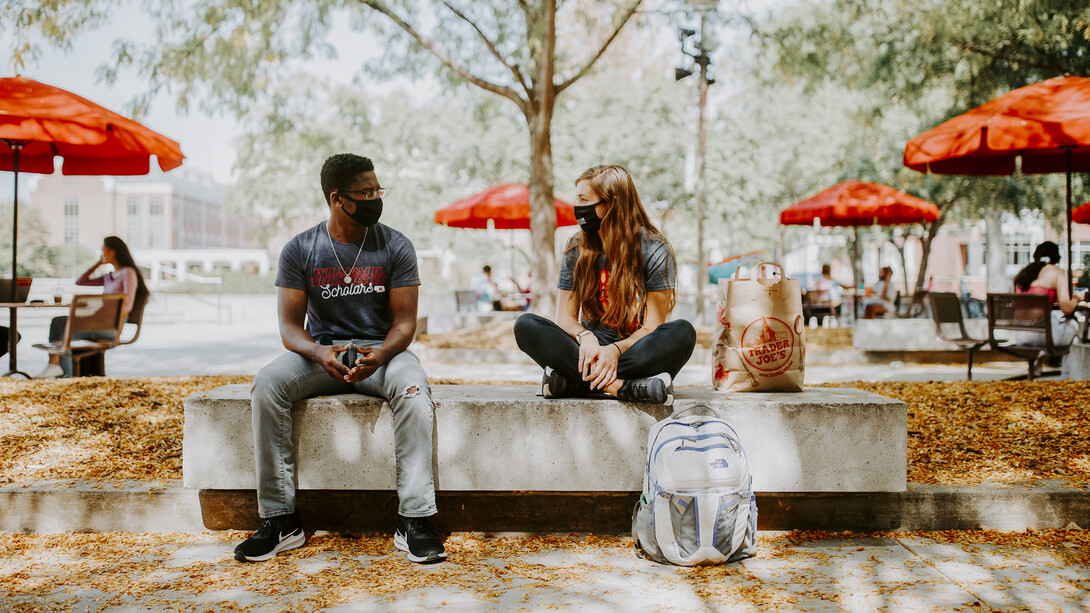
{"x":701,"y":57}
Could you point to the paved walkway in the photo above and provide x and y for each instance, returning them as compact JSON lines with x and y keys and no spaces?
{"x":510,"y":573}
{"x":237,"y":335}
{"x":120,"y":571}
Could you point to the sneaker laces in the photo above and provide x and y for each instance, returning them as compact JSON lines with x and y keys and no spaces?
{"x":418,"y":526}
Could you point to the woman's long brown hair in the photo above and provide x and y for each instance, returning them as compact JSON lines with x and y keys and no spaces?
{"x":619,"y":237}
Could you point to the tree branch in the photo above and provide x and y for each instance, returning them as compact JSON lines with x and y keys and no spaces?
{"x":601,"y":50}
{"x":446,"y":60}
{"x":975,"y":48}
{"x":491,"y":46}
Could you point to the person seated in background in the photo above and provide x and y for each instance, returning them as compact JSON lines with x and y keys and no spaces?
{"x":1043,"y":276}
{"x":125,"y":278}
{"x":1084,"y":280}
{"x":4,"y":339}
{"x":484,"y":286}
{"x":827,"y":283}
{"x":880,"y":300}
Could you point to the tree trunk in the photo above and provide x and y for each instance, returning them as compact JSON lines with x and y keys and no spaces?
{"x":542,"y":213}
{"x":539,"y":119}
{"x":996,"y":253}
{"x":925,"y":250}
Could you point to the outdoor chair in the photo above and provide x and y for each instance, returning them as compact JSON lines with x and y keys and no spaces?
{"x":950,"y":325}
{"x":465,"y":300}
{"x":89,"y":313}
{"x":816,"y":303}
{"x":136,"y":317}
{"x":915,"y":305}
{"x":1023,"y":313}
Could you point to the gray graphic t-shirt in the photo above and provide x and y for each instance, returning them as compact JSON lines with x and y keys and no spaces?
{"x":657,"y":259}
{"x":359,"y":309}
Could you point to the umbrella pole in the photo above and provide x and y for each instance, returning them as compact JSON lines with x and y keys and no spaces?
{"x":857,"y":276}
{"x":13,"y":332}
{"x":1070,"y":264}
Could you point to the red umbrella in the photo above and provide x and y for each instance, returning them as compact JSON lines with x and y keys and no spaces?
{"x":1046,"y":124}
{"x":39,"y":122}
{"x":859,"y":203}
{"x":1081,"y":214}
{"x":507,"y":205}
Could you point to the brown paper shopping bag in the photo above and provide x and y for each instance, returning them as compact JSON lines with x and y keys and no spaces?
{"x":759,"y":333}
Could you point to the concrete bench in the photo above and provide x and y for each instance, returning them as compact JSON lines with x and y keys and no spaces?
{"x":506,"y":438}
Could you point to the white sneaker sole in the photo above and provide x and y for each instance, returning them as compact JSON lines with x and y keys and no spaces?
{"x":292,"y":542}
{"x":403,"y":545}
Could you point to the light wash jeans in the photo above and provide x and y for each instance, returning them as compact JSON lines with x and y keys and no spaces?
{"x":292,"y":377}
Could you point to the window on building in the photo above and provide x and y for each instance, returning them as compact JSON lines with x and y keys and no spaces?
{"x":156,"y":224}
{"x":134,"y":223}
{"x":1080,"y":253}
{"x":1019,"y":251}
{"x":71,"y":219}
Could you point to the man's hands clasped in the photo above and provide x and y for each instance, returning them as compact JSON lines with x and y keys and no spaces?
{"x":368,"y":360}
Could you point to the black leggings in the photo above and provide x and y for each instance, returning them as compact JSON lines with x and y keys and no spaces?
{"x":666,"y":349}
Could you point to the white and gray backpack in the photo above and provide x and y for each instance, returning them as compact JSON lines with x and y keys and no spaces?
{"x":697,"y":505}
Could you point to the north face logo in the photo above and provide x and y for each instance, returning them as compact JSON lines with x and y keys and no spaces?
{"x":719,"y":463}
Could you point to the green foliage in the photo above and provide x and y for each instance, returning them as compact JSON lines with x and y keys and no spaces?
{"x":29,"y":23}
{"x":36,"y":257}
{"x":915,"y":64}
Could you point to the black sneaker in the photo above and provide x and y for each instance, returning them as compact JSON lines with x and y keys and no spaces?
{"x":656,"y":390}
{"x":416,"y":536}
{"x":556,"y":385}
{"x":277,"y":534}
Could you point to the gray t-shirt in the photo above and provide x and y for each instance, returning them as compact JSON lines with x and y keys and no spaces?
{"x":659,"y":273}
{"x":356,"y":310}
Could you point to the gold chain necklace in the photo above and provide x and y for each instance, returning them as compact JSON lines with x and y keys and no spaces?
{"x":347,"y":275}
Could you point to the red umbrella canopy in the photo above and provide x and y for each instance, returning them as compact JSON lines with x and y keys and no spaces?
{"x":858,"y":203}
{"x":1081,"y":214}
{"x":91,"y":139}
{"x":507,"y":205}
{"x":1036,"y":122}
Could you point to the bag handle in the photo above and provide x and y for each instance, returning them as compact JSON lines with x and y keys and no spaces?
{"x":753,"y":277}
{"x":697,"y":406}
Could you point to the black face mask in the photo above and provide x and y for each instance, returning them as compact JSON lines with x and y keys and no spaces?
{"x":587,"y":217}
{"x":367,"y":211}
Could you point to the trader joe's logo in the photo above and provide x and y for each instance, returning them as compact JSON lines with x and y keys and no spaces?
{"x":767,"y":344}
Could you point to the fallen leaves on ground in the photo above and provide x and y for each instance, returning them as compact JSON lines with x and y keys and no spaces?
{"x":969,"y":432}
{"x":95,"y":427}
{"x":959,"y":433}
{"x":196,"y":571}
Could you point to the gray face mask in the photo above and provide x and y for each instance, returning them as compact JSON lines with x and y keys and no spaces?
{"x":587,"y":217}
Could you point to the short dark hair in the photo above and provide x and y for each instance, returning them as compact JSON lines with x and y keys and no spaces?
{"x":340,"y":170}
{"x":826,"y":269}
{"x":487,"y":268}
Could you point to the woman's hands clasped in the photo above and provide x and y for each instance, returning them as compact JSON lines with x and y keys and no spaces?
{"x":597,"y":363}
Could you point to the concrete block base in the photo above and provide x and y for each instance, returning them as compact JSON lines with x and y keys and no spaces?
{"x":506,"y":438}
{"x":921,"y":507}
{"x":1078,"y":361}
{"x":88,"y":506}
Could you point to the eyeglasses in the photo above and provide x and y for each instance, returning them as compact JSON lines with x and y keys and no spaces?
{"x":368,"y":194}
